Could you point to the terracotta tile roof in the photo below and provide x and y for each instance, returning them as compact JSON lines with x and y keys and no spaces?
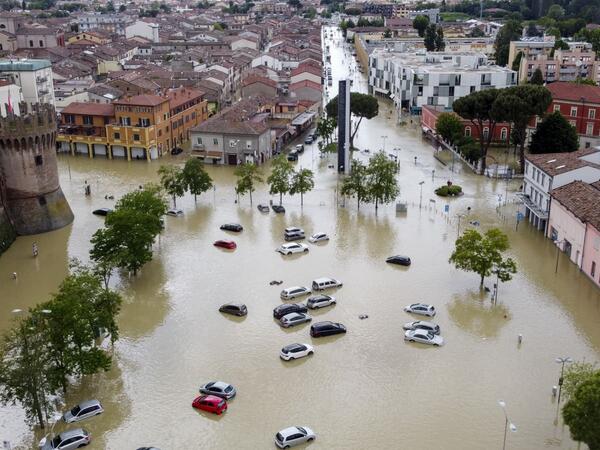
{"x":251,"y":79}
{"x":305,"y":83}
{"x":581,"y":199}
{"x":557,"y":163}
{"x":142,"y":100}
{"x":90,"y":109}
{"x":562,"y":90}
{"x":308,"y":68}
{"x":223,"y":125}
{"x":179,"y":96}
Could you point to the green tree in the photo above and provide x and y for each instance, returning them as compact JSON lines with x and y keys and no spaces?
{"x":554,"y":135}
{"x":556,"y":12}
{"x":511,"y":31}
{"x":387,"y":33}
{"x":430,"y":37}
{"x":381,"y":176}
{"x":420,"y":23}
{"x":173,"y":181}
{"x":296,"y":4}
{"x":301,"y":183}
{"x":476,"y":32}
{"x":587,"y":81}
{"x":195,"y":177}
{"x":482,"y":254}
{"x":582,"y":412}
{"x":110,"y":7}
{"x":449,"y":127}
{"x":440,"y":44}
{"x":537,"y":77}
{"x":575,"y":374}
{"x":326,"y":127}
{"x":478,"y":108}
{"x":217,"y":26}
{"x":559,"y":44}
{"x":122,"y":8}
{"x":23,"y":370}
{"x":280,"y":178}
{"x":362,"y":106}
{"x":248,"y":177}
{"x":148,"y":201}
{"x":516,"y":64}
{"x":532,"y":30}
{"x":356,"y":184}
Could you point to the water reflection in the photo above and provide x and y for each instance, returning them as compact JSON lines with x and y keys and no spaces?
{"x":473,"y":311}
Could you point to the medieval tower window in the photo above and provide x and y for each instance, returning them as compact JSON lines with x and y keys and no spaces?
{"x":39,"y":160}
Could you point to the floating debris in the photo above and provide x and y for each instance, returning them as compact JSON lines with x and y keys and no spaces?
{"x":275,"y":282}
{"x":363,"y":316}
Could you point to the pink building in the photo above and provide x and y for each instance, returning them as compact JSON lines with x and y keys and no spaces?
{"x":574,"y":225}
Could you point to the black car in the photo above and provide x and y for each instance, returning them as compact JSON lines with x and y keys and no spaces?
{"x":278,"y":209}
{"x":292,"y":156}
{"x":102,"y":211}
{"x":232,"y":227}
{"x":320,"y":329}
{"x":176,"y":151}
{"x":236,"y":309}
{"x":289,"y":308}
{"x":399,"y":259}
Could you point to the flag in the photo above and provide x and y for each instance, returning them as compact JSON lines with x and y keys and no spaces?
{"x":9,"y":108}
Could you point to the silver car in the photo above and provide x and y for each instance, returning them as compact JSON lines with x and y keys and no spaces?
{"x":218,"y":388}
{"x":421,"y":308}
{"x":84,"y":410}
{"x":67,"y":440}
{"x":293,"y":292}
{"x":422,"y":325}
{"x":320,"y":301}
{"x":424,"y":337}
{"x":292,"y":436}
{"x":295,"y":318}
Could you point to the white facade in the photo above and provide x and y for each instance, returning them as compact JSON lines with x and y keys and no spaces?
{"x":10,"y":94}
{"x":34,"y":77}
{"x":413,"y":80}
{"x":143,"y":29}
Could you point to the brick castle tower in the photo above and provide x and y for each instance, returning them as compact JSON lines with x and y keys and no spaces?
{"x":31,"y":200}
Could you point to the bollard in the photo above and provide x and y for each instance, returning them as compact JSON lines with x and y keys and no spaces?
{"x":554,"y":391}
{"x":520,"y":339}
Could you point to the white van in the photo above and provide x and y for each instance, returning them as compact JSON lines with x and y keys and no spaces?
{"x":321,"y":284}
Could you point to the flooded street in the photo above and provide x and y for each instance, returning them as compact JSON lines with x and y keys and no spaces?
{"x":365,"y":389}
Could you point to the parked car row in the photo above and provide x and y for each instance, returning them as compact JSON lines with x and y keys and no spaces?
{"x":422,"y":331}
{"x":78,"y":437}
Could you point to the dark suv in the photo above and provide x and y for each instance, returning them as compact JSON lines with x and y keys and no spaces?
{"x":236,"y":309}
{"x":282,"y":310}
{"x":326,"y":329}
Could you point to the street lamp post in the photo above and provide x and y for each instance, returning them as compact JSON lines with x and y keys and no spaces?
{"x":458,"y":216}
{"x":507,"y":423}
{"x":558,"y":249}
{"x":562,"y":360}
{"x":421,"y":194}
{"x":383,"y":138}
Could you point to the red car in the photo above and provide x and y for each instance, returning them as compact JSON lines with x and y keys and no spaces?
{"x":225,"y":244}
{"x":210,"y":403}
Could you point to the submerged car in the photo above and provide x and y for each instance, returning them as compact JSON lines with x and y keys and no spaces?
{"x":421,"y":308}
{"x":288,"y":249}
{"x":295,"y":351}
{"x":210,"y":403}
{"x":289,"y":308}
{"x":424,"y":337}
{"x":102,"y":211}
{"x":236,"y":227}
{"x":399,"y":259}
{"x":289,"y":437}
{"x":295,"y":318}
{"x":422,"y":325}
{"x":327,"y":328}
{"x":235,"y":309}
{"x":67,"y":440}
{"x":263,"y":208}
{"x":223,"y":243}
{"x":84,"y":410}
{"x":293,"y":292}
{"x":318,"y":237}
{"x":278,"y":209}
{"x":293,"y":234}
{"x":323,"y":283}
{"x":218,"y":388}
{"x":320,"y":301}
{"x":175,"y":212}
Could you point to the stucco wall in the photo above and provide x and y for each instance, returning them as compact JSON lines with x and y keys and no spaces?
{"x":568,"y":228}
{"x":591,"y":254}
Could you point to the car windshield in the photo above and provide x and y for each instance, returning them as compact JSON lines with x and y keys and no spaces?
{"x":302,"y":430}
{"x":279,"y":437}
{"x":221,"y":403}
{"x":228,"y":389}
{"x":75,"y":410}
{"x":430,"y":335}
{"x":56,"y":441}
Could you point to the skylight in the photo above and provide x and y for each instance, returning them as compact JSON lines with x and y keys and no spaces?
{"x":561,"y":166}
{"x":551,"y":161}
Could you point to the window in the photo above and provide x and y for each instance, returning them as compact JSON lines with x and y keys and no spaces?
{"x":117,"y":136}
{"x":31,"y":43}
{"x":486,"y":132}
{"x":573,"y":111}
{"x":593,"y":270}
{"x":451,"y":91}
{"x":472,"y":89}
{"x":233,"y":143}
{"x":136,"y":137}
{"x":199,"y":141}
{"x":159,"y":133}
{"x":589,"y":129}
{"x":88,"y":120}
{"x":572,"y":123}
{"x":39,"y":160}
{"x":215,"y":141}
{"x":42,"y":201}
{"x":467,"y":131}
{"x":543,"y":179}
{"x":436,"y":91}
{"x":41,"y":43}
{"x":126,"y":121}
{"x":503,"y":134}
{"x":69,"y":118}
{"x":144,"y":122}
{"x":591,"y":114}
{"x":556,"y":108}
{"x":553,"y":234}
{"x":248,"y":145}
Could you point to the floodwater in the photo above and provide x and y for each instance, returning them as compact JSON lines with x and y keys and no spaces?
{"x":365,"y":389}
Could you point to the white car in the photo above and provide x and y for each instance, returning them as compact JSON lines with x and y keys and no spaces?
{"x":292,"y":436}
{"x":420,"y":308}
{"x":422,"y":325}
{"x":293,"y":292}
{"x":175,"y":212}
{"x":424,"y":337}
{"x":320,"y":301}
{"x":295,"y":351}
{"x":323,"y":283}
{"x":293,"y":247}
{"x":318,"y":237}
{"x":295,"y":318}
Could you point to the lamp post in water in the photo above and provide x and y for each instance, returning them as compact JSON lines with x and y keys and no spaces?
{"x":508,"y":425}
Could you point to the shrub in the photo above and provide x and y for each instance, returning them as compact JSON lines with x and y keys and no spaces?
{"x":449,"y":191}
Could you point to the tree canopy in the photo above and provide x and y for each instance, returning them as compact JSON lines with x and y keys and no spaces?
{"x":173,"y":182}
{"x":280,"y":178}
{"x":301,"y":183}
{"x":449,"y":126}
{"x":482,"y":254}
{"x":195,"y":177}
{"x":537,"y":77}
{"x":362,"y":106}
{"x":356,"y":184}
{"x":554,"y":135}
{"x":381,"y":176}
{"x":248,"y":176}
{"x":511,"y":31}
{"x":582,"y":412}
{"x":420,"y":24}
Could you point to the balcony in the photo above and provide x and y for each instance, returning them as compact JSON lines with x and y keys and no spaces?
{"x":534,"y":207}
{"x":42,"y":79}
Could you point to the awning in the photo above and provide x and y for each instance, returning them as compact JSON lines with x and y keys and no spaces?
{"x":303,"y":119}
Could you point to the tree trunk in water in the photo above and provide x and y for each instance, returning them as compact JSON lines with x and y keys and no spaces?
{"x":280,"y":196}
{"x":481,"y":283}
{"x":250,"y":198}
{"x":358,"y":203}
{"x":195,"y":198}
{"x":376,"y":206}
{"x":174,"y":202}
{"x":522,"y":157}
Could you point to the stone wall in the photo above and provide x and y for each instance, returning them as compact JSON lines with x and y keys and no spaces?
{"x":7,"y":232}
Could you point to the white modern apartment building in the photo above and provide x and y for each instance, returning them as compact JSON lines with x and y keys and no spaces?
{"x":413,"y":80}
{"x":110,"y":23}
{"x":33,"y":76}
{"x":548,"y":171}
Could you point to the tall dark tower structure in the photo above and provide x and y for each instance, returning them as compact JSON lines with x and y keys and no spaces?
{"x":344,"y":126}
{"x":31,"y":200}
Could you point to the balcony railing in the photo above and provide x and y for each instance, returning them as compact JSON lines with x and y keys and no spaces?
{"x":534,"y":207}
